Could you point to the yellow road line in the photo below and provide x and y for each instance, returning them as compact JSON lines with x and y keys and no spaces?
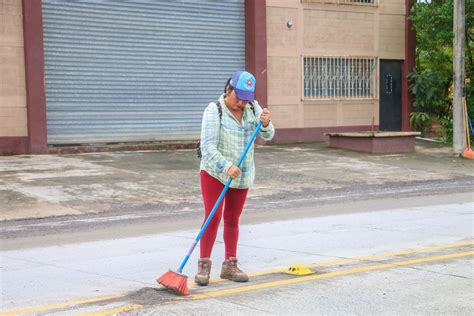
{"x":391,"y":254}
{"x":59,"y":305}
{"x":327,"y":275}
{"x":350,"y":260}
{"x":216,"y":280}
{"x":116,"y":310}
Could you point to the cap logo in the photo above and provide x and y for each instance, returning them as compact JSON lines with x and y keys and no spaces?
{"x":249,"y":84}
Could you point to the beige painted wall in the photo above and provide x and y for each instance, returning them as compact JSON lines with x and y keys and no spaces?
{"x":325,"y":29}
{"x":13,"y":119}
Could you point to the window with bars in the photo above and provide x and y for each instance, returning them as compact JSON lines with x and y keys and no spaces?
{"x":369,"y":2}
{"x":362,"y":2}
{"x":338,"y":77}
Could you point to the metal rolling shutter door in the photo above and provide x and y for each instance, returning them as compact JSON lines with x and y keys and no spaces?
{"x":136,"y":71}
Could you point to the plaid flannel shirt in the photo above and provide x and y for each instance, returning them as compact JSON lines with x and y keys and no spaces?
{"x":223,"y":142}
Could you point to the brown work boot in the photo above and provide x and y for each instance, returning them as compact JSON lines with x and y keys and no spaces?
{"x":204,"y":269}
{"x":231,"y":271}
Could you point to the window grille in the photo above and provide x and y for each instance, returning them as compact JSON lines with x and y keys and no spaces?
{"x":338,"y":77}
{"x":367,"y":2}
{"x":355,"y":2}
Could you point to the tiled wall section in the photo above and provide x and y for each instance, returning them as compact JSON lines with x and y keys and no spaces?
{"x":392,"y":41}
{"x":325,"y":29}
{"x":331,"y":113}
{"x":284,"y":78}
{"x":392,"y":7}
{"x":13,"y":118}
{"x":284,"y":62}
{"x":339,"y":32}
{"x":281,"y":38}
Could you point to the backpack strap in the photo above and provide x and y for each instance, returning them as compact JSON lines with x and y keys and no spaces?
{"x":253,"y":109}
{"x":219,"y":107}
{"x":198,"y":142}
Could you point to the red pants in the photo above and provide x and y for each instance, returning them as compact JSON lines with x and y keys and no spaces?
{"x":233,"y":201}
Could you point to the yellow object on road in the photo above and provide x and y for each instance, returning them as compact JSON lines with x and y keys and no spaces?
{"x":299,"y":269}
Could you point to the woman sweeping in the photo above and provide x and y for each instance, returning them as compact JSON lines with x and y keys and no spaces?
{"x":227,"y":127}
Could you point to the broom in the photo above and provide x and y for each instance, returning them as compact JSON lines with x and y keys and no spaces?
{"x":468,"y":153}
{"x":176,"y":281}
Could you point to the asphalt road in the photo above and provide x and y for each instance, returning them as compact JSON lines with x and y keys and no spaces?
{"x":409,"y":255}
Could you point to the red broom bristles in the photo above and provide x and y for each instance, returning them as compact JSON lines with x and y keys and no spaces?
{"x":174,"y":281}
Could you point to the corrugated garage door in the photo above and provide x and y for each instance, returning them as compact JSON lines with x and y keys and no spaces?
{"x":136,"y":71}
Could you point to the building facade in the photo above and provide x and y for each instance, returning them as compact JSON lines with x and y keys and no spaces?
{"x":95,"y":72}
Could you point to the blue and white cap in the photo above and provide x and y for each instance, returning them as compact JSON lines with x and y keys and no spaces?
{"x":243,"y":83}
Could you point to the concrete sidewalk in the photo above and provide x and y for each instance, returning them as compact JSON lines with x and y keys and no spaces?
{"x":167,"y":182}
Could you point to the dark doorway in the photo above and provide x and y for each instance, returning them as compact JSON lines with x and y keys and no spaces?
{"x":390,"y":95}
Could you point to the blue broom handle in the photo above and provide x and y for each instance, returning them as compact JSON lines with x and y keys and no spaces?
{"x":219,"y":200}
{"x":470,"y":123}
